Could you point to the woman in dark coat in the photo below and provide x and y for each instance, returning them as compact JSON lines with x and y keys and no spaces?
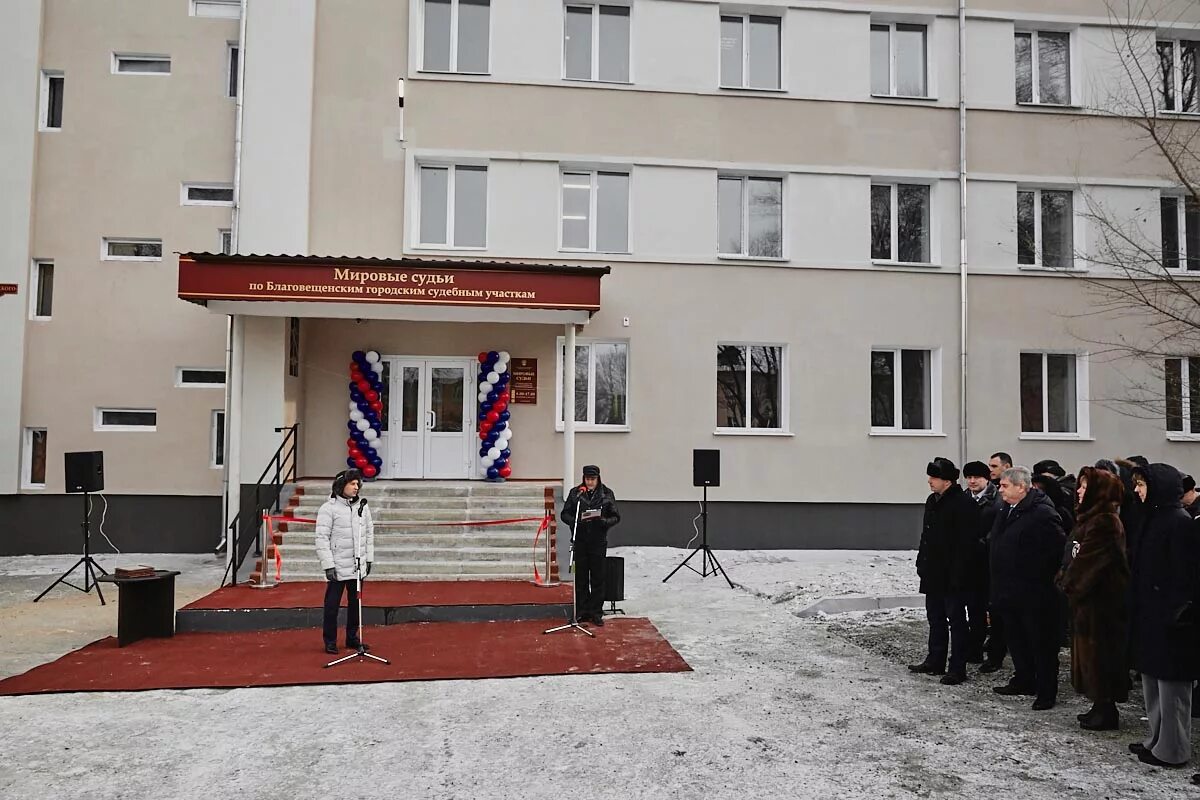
{"x":1095,"y":583}
{"x":1164,"y":615}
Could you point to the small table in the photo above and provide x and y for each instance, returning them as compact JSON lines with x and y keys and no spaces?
{"x":145,"y":606}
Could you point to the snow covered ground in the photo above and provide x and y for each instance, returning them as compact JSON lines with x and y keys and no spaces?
{"x":778,"y":706}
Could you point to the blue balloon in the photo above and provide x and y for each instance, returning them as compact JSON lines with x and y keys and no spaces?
{"x":505,"y":415}
{"x":376,"y":462}
{"x":493,"y":473}
{"x":352,"y":425}
{"x":353,"y":387}
{"x":492,"y":356}
{"x":483,"y":451}
{"x":503,"y":380}
{"x":490,"y":441}
{"x":499,"y":426}
{"x":483,"y":414}
{"x":493,"y":396}
{"x":363,"y":406}
{"x":351,"y":463}
{"x":505,"y":453}
{"x":359,"y":356}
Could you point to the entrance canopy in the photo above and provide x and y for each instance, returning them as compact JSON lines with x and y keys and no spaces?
{"x":434,"y":290}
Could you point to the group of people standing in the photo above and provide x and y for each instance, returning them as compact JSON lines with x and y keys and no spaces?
{"x":1106,"y":560}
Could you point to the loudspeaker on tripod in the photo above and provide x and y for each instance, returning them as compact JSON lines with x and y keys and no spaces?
{"x":706,"y":468}
{"x":84,"y":471}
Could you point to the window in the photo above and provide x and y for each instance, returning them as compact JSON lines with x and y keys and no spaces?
{"x":899,"y":60}
{"x":750,"y":381}
{"x":1180,"y":232}
{"x":43,"y":290}
{"x":1043,"y":67}
{"x":223,"y":9}
{"x":1045,"y":229}
{"x":904,"y":391}
{"x":901,"y":235}
{"x":34,"y":472}
{"x":1177,"y":62}
{"x":226,"y":241}
{"x":750,"y":52}
{"x":750,"y":217}
{"x":1051,"y":398}
{"x":132,"y":250}
{"x":453,"y":206}
{"x":53,"y":83}
{"x":126,"y":419}
{"x":595,"y":211}
{"x":294,"y":347}
{"x":141,"y":65}
{"x":601,"y":383}
{"x":206,"y":194}
{"x":456,"y":36}
{"x":217,"y":441}
{"x":199,"y":378}
{"x":596,"y":43}
{"x":232,"y":54}
{"x":1182,"y":395}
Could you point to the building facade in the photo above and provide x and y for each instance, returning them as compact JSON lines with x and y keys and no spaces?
{"x":778,"y":188}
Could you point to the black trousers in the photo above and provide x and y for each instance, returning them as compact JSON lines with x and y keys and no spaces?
{"x":590,"y":552}
{"x":977,"y":624}
{"x":333,"y":598}
{"x":948,"y":631}
{"x":997,"y":643}
{"x":1033,"y":634}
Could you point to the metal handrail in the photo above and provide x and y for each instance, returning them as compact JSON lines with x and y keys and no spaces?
{"x":282,"y":469}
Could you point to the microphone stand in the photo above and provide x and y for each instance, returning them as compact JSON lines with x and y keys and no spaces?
{"x":361,"y":652}
{"x":573,"y":622}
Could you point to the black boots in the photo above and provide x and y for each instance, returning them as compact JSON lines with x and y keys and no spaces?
{"x":927,"y":667}
{"x":990,"y":666}
{"x":954,"y":678}
{"x":1101,"y":717}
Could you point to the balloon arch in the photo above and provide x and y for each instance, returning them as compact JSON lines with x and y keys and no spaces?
{"x":366,"y":405}
{"x":495,"y":432}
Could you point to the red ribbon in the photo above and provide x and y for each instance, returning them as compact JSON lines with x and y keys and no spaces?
{"x":469,"y":524}
{"x":537,"y":576}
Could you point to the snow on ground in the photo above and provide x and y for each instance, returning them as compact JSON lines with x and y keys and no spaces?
{"x":778,"y":706}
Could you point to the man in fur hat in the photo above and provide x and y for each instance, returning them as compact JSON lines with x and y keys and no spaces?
{"x":590,"y":510}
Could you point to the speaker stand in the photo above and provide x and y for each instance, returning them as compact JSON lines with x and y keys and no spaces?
{"x":707,"y":554}
{"x":90,"y":567}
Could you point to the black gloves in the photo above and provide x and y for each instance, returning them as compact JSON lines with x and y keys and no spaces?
{"x":368,"y":572}
{"x":331,"y":574}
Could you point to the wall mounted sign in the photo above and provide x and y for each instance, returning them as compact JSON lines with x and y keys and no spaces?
{"x":523,"y":386}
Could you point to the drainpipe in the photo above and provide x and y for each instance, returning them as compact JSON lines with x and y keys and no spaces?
{"x":962,"y":232}
{"x":568,"y":408}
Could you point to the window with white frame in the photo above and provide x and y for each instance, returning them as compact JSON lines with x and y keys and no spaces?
{"x":33,"y":472}
{"x":126,"y":419}
{"x":1045,"y":228}
{"x":595,"y":211}
{"x":601,"y":383}
{"x":1177,"y":64}
{"x":1182,"y":395}
{"x":596,"y":43}
{"x":199,"y":378}
{"x":206,"y":194}
{"x":900,"y":223}
{"x":42,"y":299}
{"x":904,"y":390}
{"x":220,"y":9}
{"x":899,"y":59}
{"x":1052,"y":396}
{"x":453,"y":205}
{"x":750,"y":52}
{"x":216,"y":449}
{"x":225,"y":239}
{"x":232,"y":56}
{"x":456,"y":36}
{"x":750,"y":216}
{"x":141,"y":64}
{"x":53,"y":84}
{"x":1180,"y":232}
{"x":750,"y":387}
{"x":131,"y":249}
{"x":1043,"y":67}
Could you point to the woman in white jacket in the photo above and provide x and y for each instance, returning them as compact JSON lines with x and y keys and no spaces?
{"x":345,"y":545}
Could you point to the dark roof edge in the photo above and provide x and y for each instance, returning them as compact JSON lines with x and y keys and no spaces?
{"x":442,"y":263}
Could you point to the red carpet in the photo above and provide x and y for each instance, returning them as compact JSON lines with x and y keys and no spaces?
{"x":389,"y":594}
{"x":418,"y":651}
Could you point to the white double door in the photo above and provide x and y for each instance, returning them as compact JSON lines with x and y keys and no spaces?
{"x":431,"y":430}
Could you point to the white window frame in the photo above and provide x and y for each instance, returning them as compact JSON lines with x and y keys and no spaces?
{"x":1176,"y":74}
{"x":595,"y":7}
{"x":180,"y":383}
{"x":215,"y":9}
{"x":935,"y":394}
{"x":27,"y":459}
{"x":1082,"y":398}
{"x":890,"y":24}
{"x":107,"y":240}
{"x":784,"y":390}
{"x":1076,"y":263}
{"x":35,"y":285}
{"x":1072,"y":64}
{"x":560,"y":379}
{"x":1181,"y":230}
{"x":118,"y":58}
{"x":225,"y":235}
{"x":98,"y":420}
{"x":783,"y":218}
{"x":213,"y":440}
{"x":745,"y":18}
{"x":453,"y":70}
{"x":593,"y":199}
{"x":44,"y":101}
{"x":185,"y":200}
{"x":451,"y":188}
{"x":894,"y":213}
{"x":230,"y":82}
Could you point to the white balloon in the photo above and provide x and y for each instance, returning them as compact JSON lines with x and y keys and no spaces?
{"x":487,"y":461}
{"x":484,"y":388}
{"x":372,"y":357}
{"x":483,"y":397}
{"x":353,"y":406}
{"x":371,"y":435}
{"x":363,"y":425}
{"x":504,"y":435}
{"x":494,"y":453}
{"x":501,"y":367}
{"x":377,"y":367}
{"x":493,"y":378}
{"x":356,"y":415}
{"x":504,"y":356}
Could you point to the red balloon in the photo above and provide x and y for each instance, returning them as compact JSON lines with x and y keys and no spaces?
{"x":370,"y":471}
{"x":505,"y":471}
{"x":505,"y":396}
{"x":482,"y":433}
{"x":357,"y":376}
{"x":493,"y":416}
{"x":485,"y":427}
{"x":361,"y":462}
{"x":377,"y":406}
{"x":500,"y":405}
{"x":351,"y":444}
{"x":363,"y":386}
{"x":482,"y":357}
{"x":371,"y":395}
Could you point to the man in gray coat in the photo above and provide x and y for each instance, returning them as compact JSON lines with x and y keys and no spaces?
{"x":346,"y":547}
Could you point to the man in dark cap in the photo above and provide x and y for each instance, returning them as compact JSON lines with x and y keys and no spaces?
{"x":986,"y":496}
{"x":590,"y":510}
{"x":945,"y":564}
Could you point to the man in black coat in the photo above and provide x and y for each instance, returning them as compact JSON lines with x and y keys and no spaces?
{"x":987,"y":498}
{"x":589,"y":511}
{"x":1026,"y":551}
{"x":945,"y":564}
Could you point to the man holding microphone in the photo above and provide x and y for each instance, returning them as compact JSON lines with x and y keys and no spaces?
{"x":590,"y":510}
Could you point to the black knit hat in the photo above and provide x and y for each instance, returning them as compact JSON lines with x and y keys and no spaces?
{"x":1049,"y":467}
{"x":976,"y":469}
{"x":591,"y":471}
{"x":942,"y":468}
{"x":1189,"y":483}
